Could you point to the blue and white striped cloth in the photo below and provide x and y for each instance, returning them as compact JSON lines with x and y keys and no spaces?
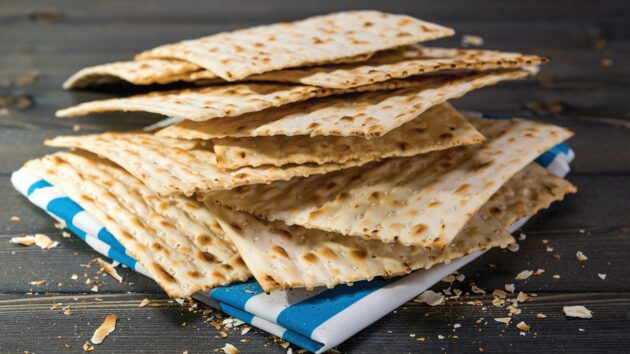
{"x":315,"y":320}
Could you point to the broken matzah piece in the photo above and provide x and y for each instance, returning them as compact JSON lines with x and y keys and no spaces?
{"x":367,"y":115}
{"x":422,"y":200}
{"x":402,"y":63}
{"x":177,"y":239}
{"x":172,"y":166}
{"x":282,"y":257}
{"x":316,"y":40}
{"x":439,"y":128}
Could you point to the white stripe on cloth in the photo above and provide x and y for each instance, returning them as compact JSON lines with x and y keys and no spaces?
{"x":277,"y":301}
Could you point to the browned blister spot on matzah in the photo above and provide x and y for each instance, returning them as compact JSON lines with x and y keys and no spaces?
{"x":162,"y":234}
{"x":450,"y":181}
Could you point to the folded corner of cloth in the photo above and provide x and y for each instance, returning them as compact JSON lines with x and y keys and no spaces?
{"x":315,"y":320}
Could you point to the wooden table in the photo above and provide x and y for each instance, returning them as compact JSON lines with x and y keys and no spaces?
{"x":586,"y":88}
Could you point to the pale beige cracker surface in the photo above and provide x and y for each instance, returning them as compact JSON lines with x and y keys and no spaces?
{"x":439,"y":128}
{"x":422,"y":200}
{"x":140,"y":72}
{"x":177,"y":239}
{"x":201,"y":104}
{"x":283,"y":257}
{"x":401,"y":63}
{"x":238,"y":54}
{"x":367,"y":115}
{"x":171,"y":166}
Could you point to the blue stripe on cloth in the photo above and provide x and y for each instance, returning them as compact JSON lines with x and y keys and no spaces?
{"x":122,"y":258}
{"x":305,"y":316}
{"x":546,"y":158}
{"x":66,"y":209}
{"x":37,"y":185}
{"x":108,"y":238}
{"x":237,"y":295}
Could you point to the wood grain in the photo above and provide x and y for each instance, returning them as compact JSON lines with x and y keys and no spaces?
{"x":54,"y":39}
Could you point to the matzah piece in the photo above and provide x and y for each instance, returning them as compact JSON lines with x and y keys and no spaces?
{"x":367,"y":115}
{"x":176,"y":239}
{"x":316,"y":40}
{"x":201,"y":104}
{"x":283,"y":257}
{"x":401,"y":63}
{"x":421,"y":200}
{"x":439,"y":128}
{"x":171,"y":166}
{"x":140,"y":72}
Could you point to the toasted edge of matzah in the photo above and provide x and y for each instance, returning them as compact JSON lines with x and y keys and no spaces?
{"x":368,"y":115}
{"x":177,"y":240}
{"x":439,"y":128}
{"x":422,"y":200}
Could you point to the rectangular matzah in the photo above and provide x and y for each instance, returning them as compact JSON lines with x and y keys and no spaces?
{"x":282,"y":257}
{"x":441,"y":127}
{"x":176,"y":239}
{"x":422,"y":200}
{"x":367,"y":115}
{"x":171,"y":166}
{"x":316,"y":40}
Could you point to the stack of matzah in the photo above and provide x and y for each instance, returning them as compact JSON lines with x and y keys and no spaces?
{"x":312,"y":153}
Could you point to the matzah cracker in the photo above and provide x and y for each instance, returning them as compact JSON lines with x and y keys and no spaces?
{"x":141,"y":72}
{"x":282,"y":257}
{"x":176,"y":239}
{"x":421,"y":200}
{"x":401,"y":63}
{"x":171,"y":166}
{"x":201,"y":104}
{"x":439,"y":128}
{"x":367,"y":115}
{"x":238,"y":54}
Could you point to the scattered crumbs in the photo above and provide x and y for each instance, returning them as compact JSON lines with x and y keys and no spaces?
{"x":602,"y":276}
{"x":524,"y":275}
{"x":24,"y":240}
{"x":109,"y":269}
{"x":481,"y":349}
{"x":475,"y":289}
{"x":457,"y":325}
{"x":74,"y":277}
{"x":498,"y":302}
{"x":441,"y":336}
{"x":539,"y":271}
{"x":430,"y":297}
{"x":513,"y":247}
{"x":500,"y":293}
{"x":107,"y":327}
{"x":14,"y":218}
{"x":556,"y":276}
{"x":522,"y":297}
{"x":76,"y":127}
{"x":514,"y":310}
{"x":421,"y":339}
{"x":412,"y":335}
{"x":65,"y":234}
{"x":510,"y":287}
{"x":94,"y":289}
{"x":449,"y":278}
{"x":581,"y":256}
{"x":144,"y":303}
{"x":577,"y":311}
{"x":245,"y":330}
{"x":556,"y":255}
{"x":230,"y":349}
{"x":549,"y":248}
{"x":581,"y":231}
{"x":460,"y":277}
{"x":541,"y":315}
{"x":223,"y":334}
{"x":59,"y":225}
{"x":38,"y":282}
{"x":522,"y":326}
{"x":42,"y":241}
{"x":545,"y":241}
{"x":522,"y":237}
{"x":581,"y":329}
{"x":88,"y":347}
{"x":505,"y":320}
{"x":471,"y":41}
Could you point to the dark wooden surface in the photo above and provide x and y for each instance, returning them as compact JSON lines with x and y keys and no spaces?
{"x":54,"y":39}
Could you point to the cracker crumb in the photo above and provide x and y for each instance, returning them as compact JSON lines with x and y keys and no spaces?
{"x":524,"y":275}
{"x":230,"y":349}
{"x":14,"y":218}
{"x":522,"y":237}
{"x":107,"y":327}
{"x":74,"y":277}
{"x":441,"y":336}
{"x":421,"y":339}
{"x":24,"y":240}
{"x":522,"y":326}
{"x":144,"y":303}
{"x":471,"y":41}
{"x":245,"y":330}
{"x":44,"y":242}
{"x":430,"y":298}
{"x":88,"y":347}
{"x":581,"y":256}
{"x":522,"y":297}
{"x":65,"y":234}
{"x":109,"y":269}
{"x":457,"y":325}
{"x":541,"y":315}
{"x":539,"y":271}
{"x":76,"y":127}
{"x":460,"y":277}
{"x":477,"y":290}
{"x":94,"y":289}
{"x":556,"y":276}
{"x":481,"y":349}
{"x":449,"y":278}
{"x":412,"y":335}
{"x":500,"y":293}
{"x":577,"y":311}
{"x":513,"y":247}
{"x":38,"y":282}
{"x":505,"y":320}
{"x":602,"y":276}
{"x":510,"y":288}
